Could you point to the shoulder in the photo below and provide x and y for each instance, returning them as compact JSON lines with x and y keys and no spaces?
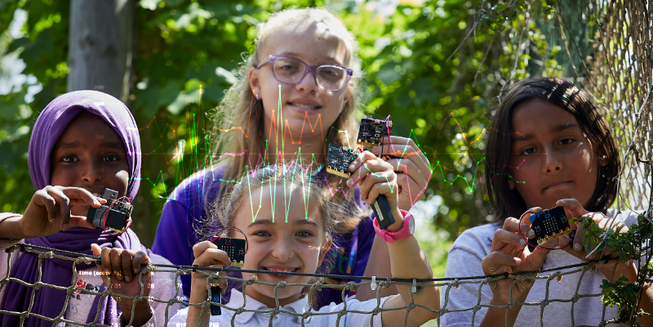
{"x":477,"y":237}
{"x":469,"y":249}
{"x":197,"y":184}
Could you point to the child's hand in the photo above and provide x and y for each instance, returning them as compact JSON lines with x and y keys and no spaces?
{"x":206,"y":254}
{"x":573,"y":209}
{"x":120,"y":269}
{"x":414,"y":168}
{"x":49,"y":211}
{"x":374,"y":177}
{"x":510,"y":254}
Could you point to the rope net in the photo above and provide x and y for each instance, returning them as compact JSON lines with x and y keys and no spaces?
{"x":606,"y":46}
{"x":166,"y":306}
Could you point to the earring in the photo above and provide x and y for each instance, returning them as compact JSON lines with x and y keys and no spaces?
{"x":256,"y":96}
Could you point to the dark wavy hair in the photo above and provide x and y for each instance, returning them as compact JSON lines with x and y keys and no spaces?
{"x":508,"y":202}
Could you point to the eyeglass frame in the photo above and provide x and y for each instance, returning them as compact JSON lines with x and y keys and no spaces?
{"x":271,"y":58}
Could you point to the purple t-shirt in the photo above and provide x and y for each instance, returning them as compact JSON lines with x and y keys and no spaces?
{"x":184,"y":213}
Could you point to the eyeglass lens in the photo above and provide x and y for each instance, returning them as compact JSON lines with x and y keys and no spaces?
{"x":291,"y":71}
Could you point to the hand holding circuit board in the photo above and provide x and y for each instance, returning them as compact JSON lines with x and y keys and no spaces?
{"x":547,"y":225}
{"x":339,"y":160}
{"x":115,"y":214}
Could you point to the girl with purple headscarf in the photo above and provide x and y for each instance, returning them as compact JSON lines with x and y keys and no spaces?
{"x":82,"y":142}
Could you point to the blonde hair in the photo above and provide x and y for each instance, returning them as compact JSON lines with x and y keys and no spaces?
{"x":290,"y":177}
{"x":239,"y":107}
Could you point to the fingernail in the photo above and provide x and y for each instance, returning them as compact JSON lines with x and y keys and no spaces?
{"x":577,"y":247}
{"x":135,"y":270}
{"x":522,"y":242}
{"x":352,"y":166}
{"x":127,"y":279}
{"x":531,"y":234}
{"x":350,"y":182}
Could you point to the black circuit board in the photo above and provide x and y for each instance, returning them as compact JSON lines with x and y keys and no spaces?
{"x":235,"y":249}
{"x":338,"y":160}
{"x":114,"y":214}
{"x":549,"y":224}
{"x":372,"y":131}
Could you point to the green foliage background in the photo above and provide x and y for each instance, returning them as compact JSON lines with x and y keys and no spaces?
{"x":436,"y":66}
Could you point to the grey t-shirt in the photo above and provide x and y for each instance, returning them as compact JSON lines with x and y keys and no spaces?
{"x":465,"y":259}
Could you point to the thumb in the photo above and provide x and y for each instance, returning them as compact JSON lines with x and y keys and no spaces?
{"x":96,"y":249}
{"x":537,"y":257}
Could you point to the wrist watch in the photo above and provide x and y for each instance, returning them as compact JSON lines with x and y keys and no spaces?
{"x":407,"y":230}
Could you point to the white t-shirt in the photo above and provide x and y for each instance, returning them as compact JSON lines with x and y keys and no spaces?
{"x":328,"y":314}
{"x":474,"y":244}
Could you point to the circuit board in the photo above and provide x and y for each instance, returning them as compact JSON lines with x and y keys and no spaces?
{"x":234,"y":247}
{"x":114,"y":214}
{"x":549,"y":224}
{"x":372,"y":131}
{"x":338,"y":160}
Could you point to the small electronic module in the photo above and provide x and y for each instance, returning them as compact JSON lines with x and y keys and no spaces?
{"x":372,"y":131}
{"x":114,"y":215}
{"x":338,"y":160}
{"x":234,"y":247}
{"x":549,"y":224}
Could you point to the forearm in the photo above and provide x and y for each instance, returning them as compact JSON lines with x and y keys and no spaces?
{"x":379,"y":267}
{"x":613,"y":270}
{"x":9,"y":228}
{"x":142,"y":311}
{"x":497,"y":316}
{"x":504,"y":292}
{"x":407,"y":260}
{"x":198,"y":294}
{"x":646,"y":304}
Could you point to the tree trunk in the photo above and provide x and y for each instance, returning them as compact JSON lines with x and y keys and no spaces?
{"x":101,"y":45}
{"x":100,"y":58}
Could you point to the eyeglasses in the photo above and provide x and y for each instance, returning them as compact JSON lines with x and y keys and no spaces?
{"x":289,"y":70}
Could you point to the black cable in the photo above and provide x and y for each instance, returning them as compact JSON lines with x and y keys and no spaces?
{"x":331,"y":276}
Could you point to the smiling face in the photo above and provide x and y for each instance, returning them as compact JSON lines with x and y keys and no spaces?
{"x":552,"y":157}
{"x":91,"y":155}
{"x":298,"y":244}
{"x":303,"y":104}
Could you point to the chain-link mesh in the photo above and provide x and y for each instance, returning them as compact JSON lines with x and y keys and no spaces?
{"x":622,"y":80}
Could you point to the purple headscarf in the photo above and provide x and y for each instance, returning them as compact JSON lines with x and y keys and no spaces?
{"x":54,"y":120}
{"x":49,"y":126}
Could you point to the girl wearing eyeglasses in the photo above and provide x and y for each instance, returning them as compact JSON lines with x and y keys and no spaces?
{"x":297,"y":93}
